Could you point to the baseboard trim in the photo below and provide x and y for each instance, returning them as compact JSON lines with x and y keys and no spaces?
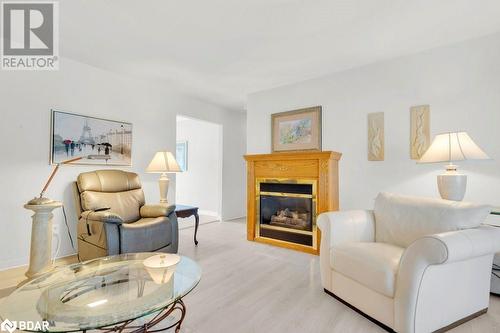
{"x":25,"y":262}
{"x":388,"y":329}
{"x":233,"y":218}
{"x":209,"y":213}
{"x":373,"y":320}
{"x":200,"y":225}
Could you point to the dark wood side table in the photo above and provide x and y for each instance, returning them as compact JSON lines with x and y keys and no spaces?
{"x":184,"y":211}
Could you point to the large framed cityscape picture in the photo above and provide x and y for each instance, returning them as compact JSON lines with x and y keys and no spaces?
{"x":97,"y":141}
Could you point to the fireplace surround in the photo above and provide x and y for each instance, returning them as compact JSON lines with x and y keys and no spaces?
{"x":286,"y":192}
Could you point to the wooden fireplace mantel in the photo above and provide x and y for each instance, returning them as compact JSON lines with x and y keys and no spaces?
{"x":318,"y":167}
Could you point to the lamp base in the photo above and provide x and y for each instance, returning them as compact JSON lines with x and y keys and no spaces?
{"x":452,"y":185}
{"x":163,"y":183}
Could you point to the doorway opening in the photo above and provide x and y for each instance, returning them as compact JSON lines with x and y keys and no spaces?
{"x":199,"y":153}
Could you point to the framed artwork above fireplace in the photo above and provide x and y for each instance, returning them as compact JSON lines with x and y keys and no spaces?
{"x":297,"y":130}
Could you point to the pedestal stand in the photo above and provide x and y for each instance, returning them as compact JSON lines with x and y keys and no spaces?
{"x":41,"y":239}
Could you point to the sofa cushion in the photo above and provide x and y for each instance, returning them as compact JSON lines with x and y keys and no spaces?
{"x":374,"y":265}
{"x":400,"y":220}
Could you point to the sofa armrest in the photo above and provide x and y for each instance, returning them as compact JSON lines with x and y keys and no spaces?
{"x":102,"y":216}
{"x":470,"y":243}
{"x":156,"y":210}
{"x":436,"y":249}
{"x":342,"y":227}
{"x":345,"y":227}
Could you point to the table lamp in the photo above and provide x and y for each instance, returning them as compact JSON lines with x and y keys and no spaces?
{"x":451,"y":147}
{"x":163,"y":162}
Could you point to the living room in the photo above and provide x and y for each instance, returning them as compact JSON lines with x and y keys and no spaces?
{"x":351,"y":185}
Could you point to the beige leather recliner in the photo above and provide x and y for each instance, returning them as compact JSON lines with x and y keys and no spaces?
{"x":128,"y":225}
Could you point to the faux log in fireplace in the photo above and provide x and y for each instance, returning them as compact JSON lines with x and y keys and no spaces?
{"x":286,"y":192}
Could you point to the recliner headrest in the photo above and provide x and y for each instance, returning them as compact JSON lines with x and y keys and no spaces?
{"x":108,"y":181}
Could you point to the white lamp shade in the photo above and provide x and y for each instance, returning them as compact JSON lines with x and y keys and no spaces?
{"x":448,"y":147}
{"x":163,"y":162}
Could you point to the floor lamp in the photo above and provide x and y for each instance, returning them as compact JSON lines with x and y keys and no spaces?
{"x":41,"y":228}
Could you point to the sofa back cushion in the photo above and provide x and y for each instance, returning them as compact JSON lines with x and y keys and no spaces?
{"x":400,"y":220}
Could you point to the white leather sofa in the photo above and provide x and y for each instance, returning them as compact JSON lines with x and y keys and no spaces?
{"x":412,"y":264}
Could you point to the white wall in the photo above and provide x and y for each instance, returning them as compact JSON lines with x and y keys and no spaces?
{"x":26,"y":99}
{"x":460,"y":82}
{"x":201,"y":184}
{"x":233,"y":166}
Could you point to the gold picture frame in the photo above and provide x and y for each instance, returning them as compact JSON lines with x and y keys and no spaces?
{"x":297,"y":130}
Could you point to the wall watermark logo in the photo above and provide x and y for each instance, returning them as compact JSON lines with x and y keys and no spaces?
{"x":30,"y":35}
{"x":11,"y":326}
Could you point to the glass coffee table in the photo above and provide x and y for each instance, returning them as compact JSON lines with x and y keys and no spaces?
{"x":111,"y":294}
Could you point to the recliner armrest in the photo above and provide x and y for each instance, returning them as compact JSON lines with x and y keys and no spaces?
{"x":156,"y":210}
{"x":102,"y":216}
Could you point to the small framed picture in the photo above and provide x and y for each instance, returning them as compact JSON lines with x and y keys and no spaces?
{"x":181,"y":154}
{"x":296,"y":130}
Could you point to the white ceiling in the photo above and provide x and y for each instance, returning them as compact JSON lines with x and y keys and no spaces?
{"x":221,"y":50}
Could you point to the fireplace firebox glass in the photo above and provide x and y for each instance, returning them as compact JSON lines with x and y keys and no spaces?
{"x":286,"y":212}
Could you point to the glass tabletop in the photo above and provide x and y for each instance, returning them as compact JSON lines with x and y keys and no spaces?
{"x":101,"y":292}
